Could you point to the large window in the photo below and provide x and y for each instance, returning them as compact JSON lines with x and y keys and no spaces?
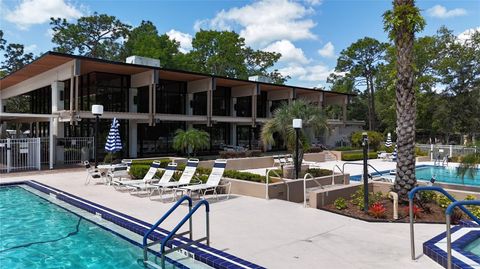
{"x":170,"y":97}
{"x":221,"y":101}
{"x":244,"y":106}
{"x":109,"y":90}
{"x":276,"y":104}
{"x":219,"y":135}
{"x":158,"y":139}
{"x":142,"y":99}
{"x":262,"y":105}
{"x":199,"y":103}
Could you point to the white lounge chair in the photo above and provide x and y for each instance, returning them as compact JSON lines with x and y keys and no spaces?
{"x":185,"y":179}
{"x":146,"y":184}
{"x":92,"y":173}
{"x":119,"y":184}
{"x":212,"y":183}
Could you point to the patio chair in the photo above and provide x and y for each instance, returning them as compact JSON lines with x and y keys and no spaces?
{"x":185,"y":179}
{"x":146,"y":184}
{"x":92,"y":173}
{"x":212,"y":183}
{"x":119,"y":184}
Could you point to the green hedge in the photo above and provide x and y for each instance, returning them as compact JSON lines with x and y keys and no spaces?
{"x":139,"y":171}
{"x":355,"y":156}
{"x":318,"y":172}
{"x":163,"y":162}
{"x":244,"y":176}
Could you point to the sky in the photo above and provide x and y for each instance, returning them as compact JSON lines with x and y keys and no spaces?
{"x":310,"y":34}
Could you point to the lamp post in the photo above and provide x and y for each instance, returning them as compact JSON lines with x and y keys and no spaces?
{"x":97,"y":111}
{"x":365,"y":170}
{"x":297,"y":125}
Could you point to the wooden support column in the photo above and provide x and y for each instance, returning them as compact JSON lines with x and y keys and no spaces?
{"x":76,"y":73}
{"x":255,"y":93}
{"x":210,"y":101}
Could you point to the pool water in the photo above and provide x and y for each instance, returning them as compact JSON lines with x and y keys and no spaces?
{"x":474,"y":247}
{"x":35,"y":233}
{"x":447,"y":175}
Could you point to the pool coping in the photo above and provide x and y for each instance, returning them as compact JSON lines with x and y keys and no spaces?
{"x":200,"y":252}
{"x":472,"y":232}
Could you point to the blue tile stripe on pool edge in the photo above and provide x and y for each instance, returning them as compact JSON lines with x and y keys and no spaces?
{"x":440,"y":256}
{"x":200,"y":254}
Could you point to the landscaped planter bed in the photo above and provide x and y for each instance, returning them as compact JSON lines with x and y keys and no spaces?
{"x":432,"y":211}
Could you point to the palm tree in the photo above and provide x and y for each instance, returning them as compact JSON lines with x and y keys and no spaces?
{"x":190,"y":140}
{"x":402,"y":22}
{"x":314,"y":123}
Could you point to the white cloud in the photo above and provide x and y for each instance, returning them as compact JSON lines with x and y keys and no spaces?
{"x":289,"y":52}
{"x":265,"y":21}
{"x":442,"y":12}
{"x":30,"y":12}
{"x":328,"y":50}
{"x":315,"y":73}
{"x":30,"y":48}
{"x":313,"y":2}
{"x":467,"y":34}
{"x":184,"y":39}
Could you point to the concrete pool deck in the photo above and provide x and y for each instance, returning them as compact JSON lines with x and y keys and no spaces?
{"x":271,"y":233}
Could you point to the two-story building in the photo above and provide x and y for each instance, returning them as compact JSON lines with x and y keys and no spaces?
{"x":151,"y":103}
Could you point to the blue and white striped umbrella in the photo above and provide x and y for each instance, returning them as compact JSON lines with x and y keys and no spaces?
{"x":388,"y":143}
{"x":114,"y":143}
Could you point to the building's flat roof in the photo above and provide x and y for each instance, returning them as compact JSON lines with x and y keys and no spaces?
{"x":51,"y":59}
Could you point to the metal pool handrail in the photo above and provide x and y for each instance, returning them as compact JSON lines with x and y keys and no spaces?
{"x":305,"y":188}
{"x":180,"y":224}
{"x":267,"y":179}
{"x":343,"y":166}
{"x":162,"y":219}
{"x":411,"y":195}
{"x":448,"y":212}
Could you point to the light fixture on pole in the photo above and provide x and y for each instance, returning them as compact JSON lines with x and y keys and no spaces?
{"x":97,"y":111}
{"x":365,"y":170}
{"x":297,"y":125}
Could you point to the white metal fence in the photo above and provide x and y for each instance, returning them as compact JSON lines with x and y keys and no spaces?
{"x":439,"y":151}
{"x":19,"y":154}
{"x":72,"y":150}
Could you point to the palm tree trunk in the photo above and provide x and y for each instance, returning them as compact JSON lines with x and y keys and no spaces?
{"x":406,"y":110}
{"x":372,"y":100}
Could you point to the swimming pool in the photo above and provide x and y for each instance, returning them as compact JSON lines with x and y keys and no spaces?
{"x":474,"y":247}
{"x":44,"y":227}
{"x":446,"y":175}
{"x":36,"y":233}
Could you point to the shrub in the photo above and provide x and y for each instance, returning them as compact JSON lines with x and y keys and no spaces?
{"x":443,"y":201}
{"x":377,"y":210}
{"x":355,"y":156}
{"x":318,"y":172}
{"x":139,"y":171}
{"x":163,"y":162}
{"x":347,"y":148}
{"x":419,"y":152}
{"x":314,"y":150}
{"x":244,"y":176}
{"x":253,"y":153}
{"x":386,"y":149}
{"x":416,"y":211}
{"x":374,"y":139}
{"x":474,"y":209}
{"x":428,"y":196}
{"x":340,"y":203}
{"x":357,"y":197}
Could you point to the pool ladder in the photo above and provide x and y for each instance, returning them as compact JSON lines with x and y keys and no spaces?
{"x":448,"y":213}
{"x":173,"y":234}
